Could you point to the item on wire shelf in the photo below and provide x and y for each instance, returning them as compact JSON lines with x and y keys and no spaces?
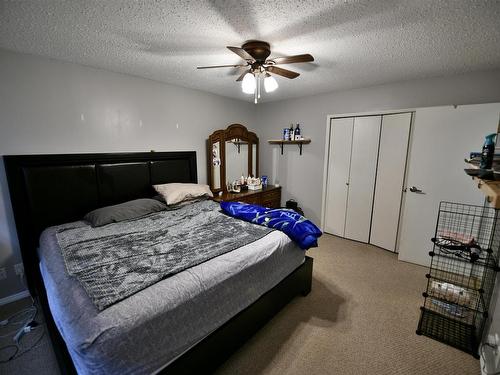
{"x":451,"y":293}
{"x":458,"y":244}
{"x":451,"y":309}
{"x":450,"y":239}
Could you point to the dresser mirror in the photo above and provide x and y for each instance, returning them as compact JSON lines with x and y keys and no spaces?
{"x":236,"y":159}
{"x":233,"y":152}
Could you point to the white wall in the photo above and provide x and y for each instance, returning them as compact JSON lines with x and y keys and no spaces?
{"x":302,"y":176}
{"x":53,"y":107}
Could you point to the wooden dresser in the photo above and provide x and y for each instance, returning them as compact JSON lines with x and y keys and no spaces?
{"x":267,"y":197}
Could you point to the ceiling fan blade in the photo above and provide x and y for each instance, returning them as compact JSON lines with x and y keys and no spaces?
{"x":293,"y":59}
{"x":240,"y":78}
{"x":220,"y":66}
{"x":241,"y":53}
{"x":282,"y":72}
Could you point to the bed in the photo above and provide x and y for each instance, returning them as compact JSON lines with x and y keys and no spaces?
{"x":181,"y":330}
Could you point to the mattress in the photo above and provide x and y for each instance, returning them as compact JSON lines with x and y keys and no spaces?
{"x":148,"y":330}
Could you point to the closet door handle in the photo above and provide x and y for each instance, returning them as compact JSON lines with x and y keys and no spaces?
{"x":414,"y":189}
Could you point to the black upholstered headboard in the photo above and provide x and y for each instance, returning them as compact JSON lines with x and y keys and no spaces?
{"x":47,"y":190}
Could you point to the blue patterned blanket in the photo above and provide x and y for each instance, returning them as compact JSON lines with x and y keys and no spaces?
{"x":296,"y":226}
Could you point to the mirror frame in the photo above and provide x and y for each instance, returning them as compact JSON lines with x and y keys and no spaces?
{"x":232,"y":131}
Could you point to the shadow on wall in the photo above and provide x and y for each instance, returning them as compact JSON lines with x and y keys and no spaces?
{"x":280,"y":174}
{"x":324,"y":307}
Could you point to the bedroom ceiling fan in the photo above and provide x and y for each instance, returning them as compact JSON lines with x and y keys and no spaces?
{"x":261,"y":67}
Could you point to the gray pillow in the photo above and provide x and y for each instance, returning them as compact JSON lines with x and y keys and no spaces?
{"x":123,"y":211}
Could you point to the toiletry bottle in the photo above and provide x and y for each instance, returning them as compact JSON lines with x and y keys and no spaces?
{"x":488,"y":152}
{"x":292,"y":137}
{"x":297,"y":133}
{"x":286,"y":134}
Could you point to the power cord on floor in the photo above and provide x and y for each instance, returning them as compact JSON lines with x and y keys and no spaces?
{"x":18,"y":319}
{"x":481,"y":350}
{"x":16,"y":347}
{"x":24,"y":317}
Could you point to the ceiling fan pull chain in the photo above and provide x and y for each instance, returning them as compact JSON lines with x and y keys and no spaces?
{"x":255,"y":95}
{"x":258,"y":85}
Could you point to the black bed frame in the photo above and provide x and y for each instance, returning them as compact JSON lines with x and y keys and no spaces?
{"x":48,"y":190}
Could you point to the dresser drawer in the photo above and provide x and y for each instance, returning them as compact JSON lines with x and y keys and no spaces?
{"x":271,"y":198}
{"x":271,"y":195}
{"x":252,"y":199}
{"x":273,"y":203}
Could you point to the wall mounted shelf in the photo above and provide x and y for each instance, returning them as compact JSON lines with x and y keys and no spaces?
{"x":282,"y":142}
{"x":491,"y":189}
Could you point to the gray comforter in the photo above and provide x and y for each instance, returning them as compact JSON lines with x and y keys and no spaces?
{"x":117,"y":260}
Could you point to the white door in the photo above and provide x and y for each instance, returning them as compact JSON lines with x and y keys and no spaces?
{"x":338,"y":174}
{"x":442,"y":137}
{"x":390,"y":179}
{"x":362,"y":177}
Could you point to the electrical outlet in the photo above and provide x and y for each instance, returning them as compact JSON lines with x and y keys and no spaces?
{"x":19,"y":269}
{"x":3,"y":273}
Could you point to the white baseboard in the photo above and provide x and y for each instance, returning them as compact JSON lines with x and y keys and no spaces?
{"x":14,"y":297}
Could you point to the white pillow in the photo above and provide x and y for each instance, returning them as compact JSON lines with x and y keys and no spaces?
{"x":176,"y":192}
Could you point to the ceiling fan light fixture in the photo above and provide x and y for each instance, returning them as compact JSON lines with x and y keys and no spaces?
{"x":270,"y":83}
{"x":248,"y":83}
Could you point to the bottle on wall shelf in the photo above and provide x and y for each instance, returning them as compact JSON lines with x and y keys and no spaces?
{"x":286,"y":134}
{"x":297,"y":133}
{"x":292,"y":136}
{"x":488,"y":152}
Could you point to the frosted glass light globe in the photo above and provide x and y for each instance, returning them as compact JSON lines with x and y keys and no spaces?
{"x":270,"y":84}
{"x":248,"y":84}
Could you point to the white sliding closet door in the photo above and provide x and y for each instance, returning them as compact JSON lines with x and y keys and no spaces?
{"x":365,"y":141}
{"x":390,"y":179}
{"x":338,"y":174}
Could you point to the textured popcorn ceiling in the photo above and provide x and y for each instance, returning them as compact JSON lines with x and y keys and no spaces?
{"x":355,"y":43}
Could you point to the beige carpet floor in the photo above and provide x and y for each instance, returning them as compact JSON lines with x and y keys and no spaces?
{"x":35,"y":355}
{"x":360,"y":318}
